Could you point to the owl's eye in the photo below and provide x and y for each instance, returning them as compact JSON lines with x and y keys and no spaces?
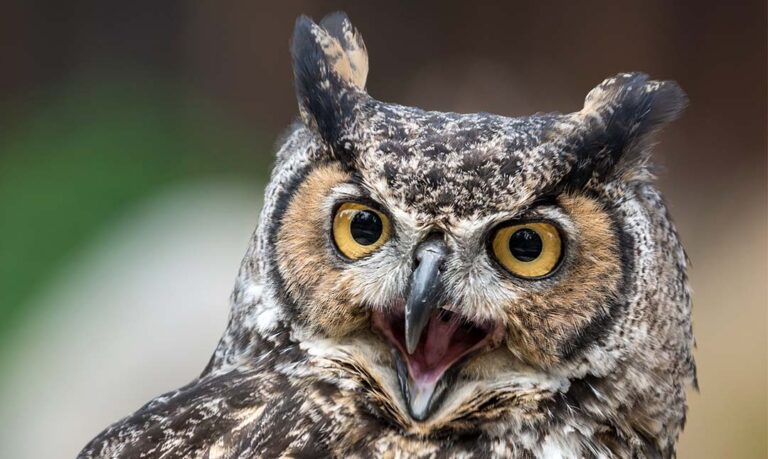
{"x":359,"y":230}
{"x":529,"y":249}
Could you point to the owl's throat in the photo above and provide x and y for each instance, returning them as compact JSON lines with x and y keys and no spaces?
{"x":448,"y":340}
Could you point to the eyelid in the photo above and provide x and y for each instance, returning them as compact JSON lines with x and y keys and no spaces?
{"x":546,"y":211}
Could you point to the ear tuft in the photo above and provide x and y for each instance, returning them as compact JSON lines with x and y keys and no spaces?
{"x":330,"y":66}
{"x":620,"y":117}
{"x":354,"y":66}
{"x":630,"y":103}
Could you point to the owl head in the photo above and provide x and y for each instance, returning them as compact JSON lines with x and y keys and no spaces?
{"x":463,"y":271}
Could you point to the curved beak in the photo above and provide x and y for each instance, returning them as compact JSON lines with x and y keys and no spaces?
{"x":425,"y":289}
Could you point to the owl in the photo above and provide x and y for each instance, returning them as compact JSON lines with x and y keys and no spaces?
{"x":428,"y":284}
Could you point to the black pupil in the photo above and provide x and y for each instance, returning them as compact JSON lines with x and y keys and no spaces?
{"x":366,"y":227}
{"x":525,"y":244}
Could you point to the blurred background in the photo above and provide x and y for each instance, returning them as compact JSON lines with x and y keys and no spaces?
{"x":136,"y":138}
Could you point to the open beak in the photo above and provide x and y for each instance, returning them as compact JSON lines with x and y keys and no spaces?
{"x":424,"y":293}
{"x":431,"y":338}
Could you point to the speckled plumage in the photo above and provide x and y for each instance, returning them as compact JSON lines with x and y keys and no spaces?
{"x":595,"y":358}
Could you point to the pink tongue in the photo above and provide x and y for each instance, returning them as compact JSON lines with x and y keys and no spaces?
{"x":438,"y":340}
{"x":442,"y":343}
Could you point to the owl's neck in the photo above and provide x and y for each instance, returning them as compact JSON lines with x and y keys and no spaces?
{"x":584,"y":416}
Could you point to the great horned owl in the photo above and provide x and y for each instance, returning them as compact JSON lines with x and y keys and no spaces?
{"x":426,"y":284}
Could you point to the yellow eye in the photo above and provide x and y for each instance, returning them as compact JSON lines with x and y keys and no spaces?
{"x":359,"y":230}
{"x":528,"y":249}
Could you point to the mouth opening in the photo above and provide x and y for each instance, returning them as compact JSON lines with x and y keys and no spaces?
{"x":447,"y":341}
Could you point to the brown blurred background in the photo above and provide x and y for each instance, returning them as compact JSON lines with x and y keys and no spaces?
{"x":135,"y":139}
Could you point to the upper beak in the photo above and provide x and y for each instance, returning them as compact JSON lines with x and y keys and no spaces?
{"x":425,"y":289}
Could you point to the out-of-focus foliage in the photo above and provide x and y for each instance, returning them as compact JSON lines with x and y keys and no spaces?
{"x":81,"y":155}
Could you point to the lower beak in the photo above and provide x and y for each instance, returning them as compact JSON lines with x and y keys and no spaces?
{"x":421,"y":399}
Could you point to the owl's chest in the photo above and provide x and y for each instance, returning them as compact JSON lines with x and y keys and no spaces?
{"x":340,"y":428}
{"x":392,"y":444}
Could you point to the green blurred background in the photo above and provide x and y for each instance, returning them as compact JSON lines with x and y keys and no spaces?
{"x":136,"y":138}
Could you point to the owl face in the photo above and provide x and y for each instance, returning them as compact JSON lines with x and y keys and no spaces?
{"x":523,"y":271}
{"x":453,"y":249}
